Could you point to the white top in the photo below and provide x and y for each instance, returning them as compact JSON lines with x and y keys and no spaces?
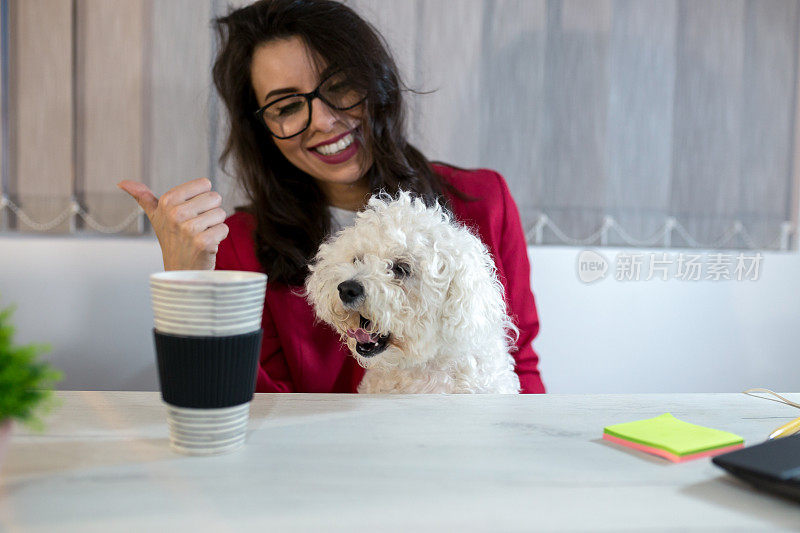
{"x":351,"y":462}
{"x":341,"y":218}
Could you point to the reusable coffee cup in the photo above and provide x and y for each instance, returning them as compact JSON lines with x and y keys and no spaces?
{"x":207,"y":337}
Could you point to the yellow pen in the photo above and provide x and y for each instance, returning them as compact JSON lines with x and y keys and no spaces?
{"x":785,"y":430}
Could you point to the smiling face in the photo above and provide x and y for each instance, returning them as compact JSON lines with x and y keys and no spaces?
{"x":288,"y":64}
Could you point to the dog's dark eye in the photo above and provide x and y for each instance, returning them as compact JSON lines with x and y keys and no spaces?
{"x":401,"y":270}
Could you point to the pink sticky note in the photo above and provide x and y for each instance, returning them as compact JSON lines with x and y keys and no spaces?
{"x":667,"y":455}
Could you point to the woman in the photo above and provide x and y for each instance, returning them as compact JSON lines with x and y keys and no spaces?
{"x":317,"y":126}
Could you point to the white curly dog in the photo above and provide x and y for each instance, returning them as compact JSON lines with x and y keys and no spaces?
{"x":415,"y":296}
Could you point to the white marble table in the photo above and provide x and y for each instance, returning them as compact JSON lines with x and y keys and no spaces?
{"x":316,"y":462}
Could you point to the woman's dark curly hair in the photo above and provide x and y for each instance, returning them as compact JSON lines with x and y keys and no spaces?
{"x":287,"y":203}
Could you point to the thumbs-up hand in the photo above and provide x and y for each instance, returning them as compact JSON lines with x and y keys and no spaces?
{"x":188,"y":222}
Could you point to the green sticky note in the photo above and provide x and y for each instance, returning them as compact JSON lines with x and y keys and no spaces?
{"x":676,"y":436}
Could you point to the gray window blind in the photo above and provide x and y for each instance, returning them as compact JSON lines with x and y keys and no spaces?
{"x":618,"y":122}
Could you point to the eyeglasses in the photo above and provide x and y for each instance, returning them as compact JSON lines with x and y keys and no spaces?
{"x":290,"y":115}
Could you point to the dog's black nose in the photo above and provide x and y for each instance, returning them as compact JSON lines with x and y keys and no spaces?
{"x":350,"y":291}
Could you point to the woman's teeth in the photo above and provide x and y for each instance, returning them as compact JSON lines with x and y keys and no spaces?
{"x":335,"y":148}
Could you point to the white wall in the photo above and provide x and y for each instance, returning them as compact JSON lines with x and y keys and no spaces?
{"x":667,"y":336}
{"x":89,"y":298}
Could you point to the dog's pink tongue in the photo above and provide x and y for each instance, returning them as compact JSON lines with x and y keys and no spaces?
{"x":360,"y":335}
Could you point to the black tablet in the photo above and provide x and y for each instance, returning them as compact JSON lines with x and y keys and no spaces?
{"x":773,"y":465}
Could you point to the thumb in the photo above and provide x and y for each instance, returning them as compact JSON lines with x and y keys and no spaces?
{"x":141,"y":193}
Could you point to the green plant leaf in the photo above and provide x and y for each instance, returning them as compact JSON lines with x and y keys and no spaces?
{"x":26,"y":383}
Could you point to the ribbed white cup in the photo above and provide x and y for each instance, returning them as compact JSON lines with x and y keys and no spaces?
{"x":205,"y":303}
{"x":207,"y":431}
{"x":209,"y":303}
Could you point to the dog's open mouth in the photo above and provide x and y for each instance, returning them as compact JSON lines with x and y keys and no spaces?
{"x":367,"y":344}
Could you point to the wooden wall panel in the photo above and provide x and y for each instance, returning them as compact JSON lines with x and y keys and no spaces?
{"x":178,"y":136}
{"x":41,"y":177}
{"x":707,"y":128}
{"x":225,"y":184}
{"x":448,"y":59}
{"x":3,"y":111}
{"x":110,"y":106}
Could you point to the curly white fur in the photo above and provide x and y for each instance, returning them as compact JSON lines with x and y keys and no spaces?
{"x":446,"y":320}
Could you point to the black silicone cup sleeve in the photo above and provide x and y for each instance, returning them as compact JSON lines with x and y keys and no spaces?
{"x":207,"y":372}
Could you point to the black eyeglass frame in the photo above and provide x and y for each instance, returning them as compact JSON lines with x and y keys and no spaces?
{"x":259,"y":114}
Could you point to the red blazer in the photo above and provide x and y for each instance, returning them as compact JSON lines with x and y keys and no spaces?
{"x":299,"y":356}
